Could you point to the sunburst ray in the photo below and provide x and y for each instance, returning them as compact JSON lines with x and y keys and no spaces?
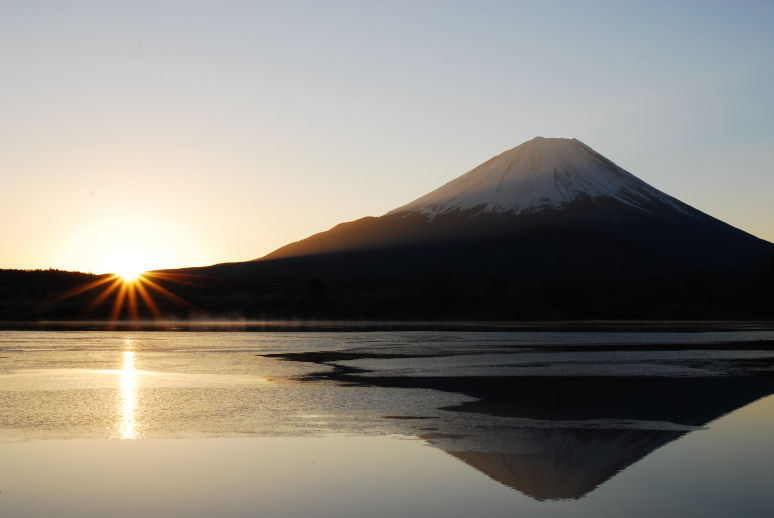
{"x":128,"y":292}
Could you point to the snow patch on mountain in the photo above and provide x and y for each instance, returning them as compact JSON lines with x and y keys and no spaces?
{"x":541,"y":174}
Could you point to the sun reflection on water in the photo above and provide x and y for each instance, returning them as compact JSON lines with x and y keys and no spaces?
{"x":128,"y":426}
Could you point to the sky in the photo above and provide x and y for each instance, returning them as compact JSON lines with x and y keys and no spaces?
{"x":171,"y":134}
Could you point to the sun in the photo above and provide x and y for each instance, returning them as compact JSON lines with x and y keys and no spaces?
{"x":129,"y":266}
{"x":129,"y":274}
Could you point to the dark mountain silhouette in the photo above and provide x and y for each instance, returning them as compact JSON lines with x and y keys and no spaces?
{"x":547,"y":208}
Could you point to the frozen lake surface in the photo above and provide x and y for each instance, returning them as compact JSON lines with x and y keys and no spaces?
{"x":541,"y":421}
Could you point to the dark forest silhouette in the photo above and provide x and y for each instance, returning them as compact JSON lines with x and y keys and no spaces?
{"x":435,"y":295}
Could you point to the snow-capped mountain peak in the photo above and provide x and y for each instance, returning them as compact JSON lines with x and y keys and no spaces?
{"x":543,"y":173}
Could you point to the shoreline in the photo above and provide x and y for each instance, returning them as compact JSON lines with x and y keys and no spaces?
{"x":390,"y":325}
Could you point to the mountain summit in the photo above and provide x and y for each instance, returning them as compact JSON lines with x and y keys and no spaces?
{"x":541,"y":174}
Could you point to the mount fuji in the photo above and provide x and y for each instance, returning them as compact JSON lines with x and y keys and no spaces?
{"x":547,"y":208}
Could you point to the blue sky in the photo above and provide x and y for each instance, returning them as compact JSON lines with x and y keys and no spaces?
{"x":196,"y":132}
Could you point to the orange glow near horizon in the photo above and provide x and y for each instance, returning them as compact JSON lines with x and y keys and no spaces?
{"x":128,"y":243}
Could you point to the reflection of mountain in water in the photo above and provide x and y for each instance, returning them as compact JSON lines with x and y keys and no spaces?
{"x":566,"y":460}
{"x":569,"y":462}
{"x":556,"y":422}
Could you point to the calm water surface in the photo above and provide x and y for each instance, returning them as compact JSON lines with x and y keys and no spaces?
{"x":387,"y":423}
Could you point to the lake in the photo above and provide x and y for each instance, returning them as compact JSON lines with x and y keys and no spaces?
{"x":538,"y":420}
